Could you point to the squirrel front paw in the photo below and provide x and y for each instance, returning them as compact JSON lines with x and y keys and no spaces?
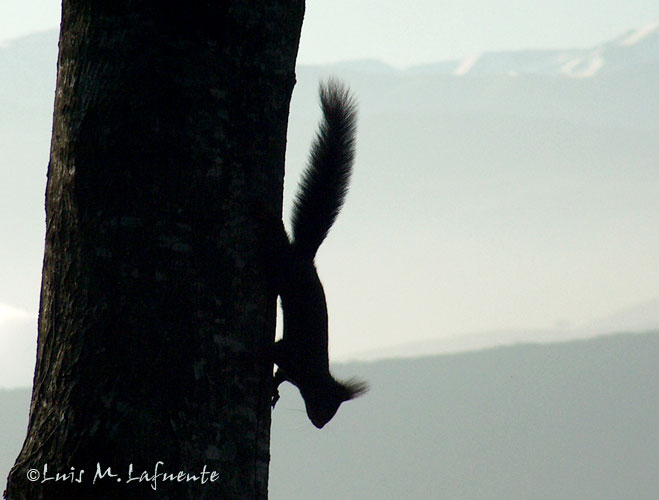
{"x":277,"y":379}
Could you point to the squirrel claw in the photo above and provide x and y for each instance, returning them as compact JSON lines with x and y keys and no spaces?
{"x":275,"y":398}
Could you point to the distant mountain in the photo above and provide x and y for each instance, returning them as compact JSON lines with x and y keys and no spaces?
{"x":544,"y":422}
{"x":635,"y":48}
{"x":14,"y":411}
{"x":640,"y":318}
{"x":17,"y":347}
{"x":532,"y":422}
{"x":632,"y":50}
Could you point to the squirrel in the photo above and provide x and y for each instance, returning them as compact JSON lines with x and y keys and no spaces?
{"x":301,"y":355}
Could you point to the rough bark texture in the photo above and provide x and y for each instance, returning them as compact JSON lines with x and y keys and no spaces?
{"x":170,"y":120}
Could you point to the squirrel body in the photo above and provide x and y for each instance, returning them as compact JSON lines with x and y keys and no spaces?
{"x":302,"y":353}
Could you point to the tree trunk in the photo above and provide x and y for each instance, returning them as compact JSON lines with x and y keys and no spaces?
{"x":170,"y":121}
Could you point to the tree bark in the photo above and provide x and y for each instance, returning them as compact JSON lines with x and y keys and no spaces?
{"x":170,"y":121}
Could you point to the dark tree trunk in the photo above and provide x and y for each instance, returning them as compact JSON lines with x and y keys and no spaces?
{"x":170,"y":121}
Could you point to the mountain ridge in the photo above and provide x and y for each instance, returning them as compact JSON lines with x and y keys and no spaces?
{"x":635,"y":47}
{"x":542,"y":422}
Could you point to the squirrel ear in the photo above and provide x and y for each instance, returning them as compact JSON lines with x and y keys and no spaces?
{"x":354,"y":388}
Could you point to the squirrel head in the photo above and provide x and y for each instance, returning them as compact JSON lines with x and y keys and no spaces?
{"x":323,"y":400}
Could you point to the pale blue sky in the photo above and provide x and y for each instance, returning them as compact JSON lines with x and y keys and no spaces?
{"x":479,"y":280}
{"x":407,"y":33}
{"x":404,"y":33}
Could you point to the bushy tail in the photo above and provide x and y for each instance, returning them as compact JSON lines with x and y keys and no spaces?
{"x":324,"y":183}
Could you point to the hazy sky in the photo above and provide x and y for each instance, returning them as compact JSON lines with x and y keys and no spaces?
{"x":406,"y":33}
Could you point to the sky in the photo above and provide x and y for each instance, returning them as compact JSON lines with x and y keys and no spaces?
{"x":409,"y":33}
{"x":400,"y":34}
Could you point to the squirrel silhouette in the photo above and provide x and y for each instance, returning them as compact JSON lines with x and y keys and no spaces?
{"x":301,"y":355}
